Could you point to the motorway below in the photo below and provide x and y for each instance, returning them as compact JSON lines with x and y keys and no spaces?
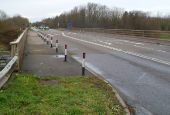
{"x":139,"y":71}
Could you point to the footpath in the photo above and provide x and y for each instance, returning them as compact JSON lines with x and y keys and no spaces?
{"x":41,"y":60}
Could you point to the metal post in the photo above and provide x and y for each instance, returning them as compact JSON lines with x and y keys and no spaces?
{"x":56,"y":46}
{"x":44,"y":38}
{"x":65,"y":59}
{"x":83,"y":64}
{"x":51,"y":42}
{"x":47,"y":40}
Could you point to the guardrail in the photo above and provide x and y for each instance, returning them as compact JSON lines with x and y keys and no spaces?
{"x":17,"y":48}
{"x":7,"y":71}
{"x":129,"y":32}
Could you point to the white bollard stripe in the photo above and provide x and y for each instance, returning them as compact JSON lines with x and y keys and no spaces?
{"x":65,"y":51}
{"x":56,"y":45}
{"x":83,"y":63}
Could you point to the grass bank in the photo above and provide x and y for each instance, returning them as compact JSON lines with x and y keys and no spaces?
{"x":2,"y":46}
{"x":28,"y":94}
{"x":165,"y":36}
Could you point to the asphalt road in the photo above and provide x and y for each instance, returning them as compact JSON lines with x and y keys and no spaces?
{"x":140,"y":71}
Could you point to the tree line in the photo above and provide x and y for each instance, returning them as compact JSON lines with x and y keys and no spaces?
{"x":100,"y":16}
{"x":11,"y":27}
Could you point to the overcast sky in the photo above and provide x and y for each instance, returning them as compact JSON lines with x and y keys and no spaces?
{"x":36,"y":10}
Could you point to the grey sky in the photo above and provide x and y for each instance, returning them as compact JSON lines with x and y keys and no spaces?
{"x":36,"y":10}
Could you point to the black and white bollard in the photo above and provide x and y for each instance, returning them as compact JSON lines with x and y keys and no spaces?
{"x":47,"y":40}
{"x":65,"y":53}
{"x":51,"y":42}
{"x":56,"y":46}
{"x":44,"y":38}
{"x":83,"y":64}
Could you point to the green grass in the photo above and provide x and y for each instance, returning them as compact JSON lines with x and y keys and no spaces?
{"x":28,"y":94}
{"x":2,"y":47}
{"x":165,"y":36}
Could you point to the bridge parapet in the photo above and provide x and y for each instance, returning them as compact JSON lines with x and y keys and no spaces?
{"x":17,"y":54}
{"x":17,"y":48}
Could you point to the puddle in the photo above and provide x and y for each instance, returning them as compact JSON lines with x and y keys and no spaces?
{"x":58,"y":56}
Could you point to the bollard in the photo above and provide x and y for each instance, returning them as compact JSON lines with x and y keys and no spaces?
{"x":56,"y":46}
{"x":47,"y":40}
{"x":65,"y":53}
{"x":83,"y":64}
{"x":51,"y":42}
{"x":44,"y":38}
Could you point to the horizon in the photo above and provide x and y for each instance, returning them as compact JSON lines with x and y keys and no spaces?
{"x":49,"y":9}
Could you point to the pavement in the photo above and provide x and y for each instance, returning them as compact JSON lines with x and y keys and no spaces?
{"x":138,"y":70}
{"x":42,"y":60}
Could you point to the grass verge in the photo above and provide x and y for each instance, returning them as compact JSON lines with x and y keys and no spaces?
{"x":2,"y":47}
{"x":165,"y":36}
{"x":28,"y":94}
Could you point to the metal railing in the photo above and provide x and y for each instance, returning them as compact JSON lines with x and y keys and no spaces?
{"x":142,"y":33}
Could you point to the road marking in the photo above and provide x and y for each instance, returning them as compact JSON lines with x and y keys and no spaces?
{"x":162,"y":51}
{"x":74,"y":33}
{"x":150,"y":48}
{"x":71,"y":33}
{"x":108,"y":43}
{"x":51,"y":34}
{"x":143,"y":47}
{"x":137,"y":43}
{"x":120,"y":50}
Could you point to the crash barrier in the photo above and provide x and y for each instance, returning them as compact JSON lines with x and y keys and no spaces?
{"x":7,"y":71}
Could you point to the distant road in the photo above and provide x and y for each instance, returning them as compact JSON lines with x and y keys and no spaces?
{"x":139,"y":71}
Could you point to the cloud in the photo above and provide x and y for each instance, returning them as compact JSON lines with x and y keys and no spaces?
{"x":39,"y":9}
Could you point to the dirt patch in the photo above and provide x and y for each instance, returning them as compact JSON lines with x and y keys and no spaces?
{"x":48,"y":82}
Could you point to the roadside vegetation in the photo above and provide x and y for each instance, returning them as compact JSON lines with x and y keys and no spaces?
{"x":28,"y":94}
{"x":100,"y":16}
{"x":10,"y":28}
{"x":165,"y":36}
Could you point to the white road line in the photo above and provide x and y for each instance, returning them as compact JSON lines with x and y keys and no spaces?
{"x":137,"y":43}
{"x":143,"y":47}
{"x":162,"y":51}
{"x":150,"y":48}
{"x":51,"y":34}
{"x":120,"y":50}
{"x":108,"y":43}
